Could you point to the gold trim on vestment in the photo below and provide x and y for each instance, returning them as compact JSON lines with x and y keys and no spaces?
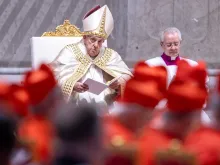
{"x":84,"y":65}
{"x":101,"y":61}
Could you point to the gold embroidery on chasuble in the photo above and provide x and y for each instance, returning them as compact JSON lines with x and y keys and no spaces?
{"x":85,"y":62}
{"x":103,"y":60}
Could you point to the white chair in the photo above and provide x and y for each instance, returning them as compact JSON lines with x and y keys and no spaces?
{"x":45,"y":49}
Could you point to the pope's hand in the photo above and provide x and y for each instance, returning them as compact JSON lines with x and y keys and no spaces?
{"x":115,"y":85}
{"x":80,"y":87}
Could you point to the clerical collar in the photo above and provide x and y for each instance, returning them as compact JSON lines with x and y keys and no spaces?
{"x":170,"y":60}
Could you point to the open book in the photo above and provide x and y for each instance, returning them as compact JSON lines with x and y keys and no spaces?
{"x":96,"y":87}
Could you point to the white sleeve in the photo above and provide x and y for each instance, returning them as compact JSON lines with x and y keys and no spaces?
{"x":64,"y":65}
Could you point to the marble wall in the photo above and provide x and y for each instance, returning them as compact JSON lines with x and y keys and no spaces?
{"x":137,"y":24}
{"x":198,"y":20}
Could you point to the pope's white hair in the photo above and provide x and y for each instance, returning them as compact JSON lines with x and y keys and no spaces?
{"x":170,"y":30}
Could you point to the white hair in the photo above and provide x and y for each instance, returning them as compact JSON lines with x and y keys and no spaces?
{"x":170,"y":30}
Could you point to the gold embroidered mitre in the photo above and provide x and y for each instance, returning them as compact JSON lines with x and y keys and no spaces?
{"x":98,"y":21}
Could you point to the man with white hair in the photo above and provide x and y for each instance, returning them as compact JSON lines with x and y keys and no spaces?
{"x":89,"y":59}
{"x":170,"y":41}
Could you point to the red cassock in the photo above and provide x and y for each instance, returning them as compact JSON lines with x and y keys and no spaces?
{"x":205,"y":144}
{"x":152,"y":143}
{"x":185,"y":94}
{"x":144,"y":90}
{"x":39,"y":133}
{"x":119,"y":143}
